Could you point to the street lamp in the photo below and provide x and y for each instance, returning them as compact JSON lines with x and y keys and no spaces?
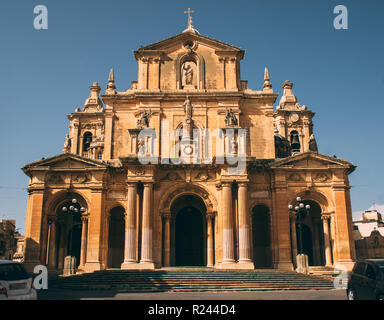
{"x":73,"y":208}
{"x":300,"y":211}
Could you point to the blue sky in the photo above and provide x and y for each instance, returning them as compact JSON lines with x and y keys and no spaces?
{"x":45,"y":75}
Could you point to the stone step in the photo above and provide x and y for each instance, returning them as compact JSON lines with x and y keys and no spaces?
{"x":192,"y":280}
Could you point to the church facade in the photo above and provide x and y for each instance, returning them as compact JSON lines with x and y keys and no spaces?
{"x":188,"y":167}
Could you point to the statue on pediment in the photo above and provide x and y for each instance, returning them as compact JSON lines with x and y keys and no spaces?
{"x":67,"y":144}
{"x":312,"y":143}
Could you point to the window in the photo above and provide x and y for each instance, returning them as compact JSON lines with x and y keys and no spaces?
{"x":295,"y":141}
{"x":99,"y":156}
{"x":87,"y":139}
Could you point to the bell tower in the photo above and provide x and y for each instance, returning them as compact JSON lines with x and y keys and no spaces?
{"x":294,"y":122}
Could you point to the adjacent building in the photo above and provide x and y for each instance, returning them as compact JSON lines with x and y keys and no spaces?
{"x":369,"y":235}
{"x":7,"y":239}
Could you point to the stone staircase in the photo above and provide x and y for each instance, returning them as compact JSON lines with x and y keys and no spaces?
{"x":325,"y":272}
{"x":192,"y":280}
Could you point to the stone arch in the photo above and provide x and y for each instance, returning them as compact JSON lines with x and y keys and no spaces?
{"x":324,"y":202}
{"x":200,"y":67}
{"x":65,"y":233}
{"x":55,"y":200}
{"x":187,"y":189}
{"x":113,"y":205}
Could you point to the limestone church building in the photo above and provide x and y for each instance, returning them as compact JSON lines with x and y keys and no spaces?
{"x":188,"y":167}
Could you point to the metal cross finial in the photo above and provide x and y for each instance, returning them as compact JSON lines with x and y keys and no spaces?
{"x":189,"y":12}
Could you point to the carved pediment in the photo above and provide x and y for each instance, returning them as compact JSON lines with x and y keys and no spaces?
{"x":183,"y":38}
{"x":312,"y":160}
{"x":64,"y":162}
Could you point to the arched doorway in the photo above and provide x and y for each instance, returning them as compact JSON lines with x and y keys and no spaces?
{"x":65,"y":235}
{"x":312,"y":235}
{"x":116,"y":237}
{"x":189,"y":231}
{"x":262,"y":252}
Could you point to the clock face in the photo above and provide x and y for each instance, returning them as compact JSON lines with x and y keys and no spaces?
{"x":188,"y":150}
{"x":294,"y":117}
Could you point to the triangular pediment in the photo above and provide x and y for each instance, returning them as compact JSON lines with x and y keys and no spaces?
{"x":180,"y":39}
{"x":64,"y":161}
{"x":313,"y":160}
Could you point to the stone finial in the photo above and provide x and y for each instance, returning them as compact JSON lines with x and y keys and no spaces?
{"x":93,"y":103}
{"x":111,"y":88}
{"x":267,"y":86}
{"x":95,"y":90}
{"x":288,"y":101}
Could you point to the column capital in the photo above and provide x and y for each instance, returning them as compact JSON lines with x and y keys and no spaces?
{"x":211,"y":215}
{"x":167,"y":216}
{"x":148,"y":184}
{"x":226,"y":184}
{"x":243,"y":184}
{"x":325,"y":217}
{"x":131,"y":184}
{"x":84,"y":218}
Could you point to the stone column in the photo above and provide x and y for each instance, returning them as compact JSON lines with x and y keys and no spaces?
{"x":245,"y":254}
{"x":130,"y":260}
{"x":283,"y":246}
{"x":327,"y":243}
{"x":75,"y":138}
{"x":344,"y":229}
{"x":210,"y":233}
{"x":108,"y":136}
{"x":33,"y":229}
{"x":167,"y":239}
{"x":84,"y":236}
{"x":95,"y":230}
{"x":293,"y":239}
{"x":52,"y":243}
{"x":146,"y":242}
{"x":228,"y":245}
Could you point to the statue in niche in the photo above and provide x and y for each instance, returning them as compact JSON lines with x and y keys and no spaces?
{"x":230,"y":118}
{"x":234,"y":146}
{"x":143,"y":122}
{"x":188,"y":71}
